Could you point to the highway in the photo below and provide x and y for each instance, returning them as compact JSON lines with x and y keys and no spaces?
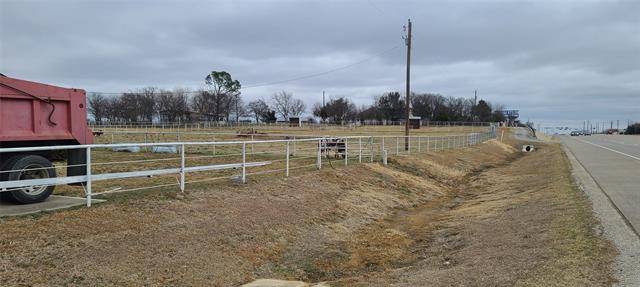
{"x":613,"y":161}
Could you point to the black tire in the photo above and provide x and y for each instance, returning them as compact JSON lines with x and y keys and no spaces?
{"x":28,"y":167}
{"x":6,"y":165}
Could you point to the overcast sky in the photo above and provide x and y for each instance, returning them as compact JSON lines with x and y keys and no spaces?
{"x":556,"y":61}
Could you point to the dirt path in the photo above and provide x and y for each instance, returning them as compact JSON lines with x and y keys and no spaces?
{"x":479,"y":216}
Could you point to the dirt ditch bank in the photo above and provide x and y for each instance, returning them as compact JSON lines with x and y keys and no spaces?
{"x":485,"y":215}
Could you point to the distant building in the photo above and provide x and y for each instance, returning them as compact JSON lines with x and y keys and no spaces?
{"x":414,"y":122}
{"x":511,"y":116}
{"x":295,"y":122}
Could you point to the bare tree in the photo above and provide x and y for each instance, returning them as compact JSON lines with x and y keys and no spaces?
{"x":201,"y":104}
{"x":172,"y":105}
{"x":258,"y":109}
{"x":146,"y":100}
{"x":237,"y":106}
{"x":297,"y":107}
{"x":98,"y":107}
{"x":114,"y":113}
{"x":338,"y":110}
{"x":286,"y":105}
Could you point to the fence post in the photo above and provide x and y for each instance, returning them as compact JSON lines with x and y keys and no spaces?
{"x":251,"y":144}
{"x":244,"y":162}
{"x":346,"y":151}
{"x":397,"y":145}
{"x":287,"y":160}
{"x":319,"y":159}
{"x":427,"y":143}
{"x":359,"y":149}
{"x":294,"y":146}
{"x":213,"y":139}
{"x":382,"y":144}
{"x":384,"y":157}
{"x":419,"y":137}
{"x":182,"y":175}
{"x":408,"y":144}
{"x":88,"y":184}
{"x":371,"y":148}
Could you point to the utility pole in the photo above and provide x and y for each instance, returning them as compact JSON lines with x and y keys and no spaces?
{"x":323,"y":102}
{"x":322,"y":111}
{"x":407,"y":105}
{"x":237,"y":110}
{"x":475,"y":97}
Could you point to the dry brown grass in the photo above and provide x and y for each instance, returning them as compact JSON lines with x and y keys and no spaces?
{"x":479,"y":216}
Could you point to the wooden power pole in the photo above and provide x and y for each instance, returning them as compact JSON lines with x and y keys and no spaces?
{"x":407,"y":105}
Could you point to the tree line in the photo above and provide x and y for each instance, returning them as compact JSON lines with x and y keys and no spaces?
{"x":221,"y":101}
{"x":633,"y":129}
{"x":390,"y":107}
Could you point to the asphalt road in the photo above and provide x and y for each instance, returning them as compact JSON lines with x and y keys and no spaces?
{"x":614,"y":163}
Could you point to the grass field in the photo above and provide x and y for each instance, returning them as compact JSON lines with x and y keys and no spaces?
{"x":303,"y":154}
{"x":119,"y":135}
{"x":485,"y":215}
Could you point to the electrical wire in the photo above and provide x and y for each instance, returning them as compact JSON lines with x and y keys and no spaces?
{"x":297,"y":78}
{"x":325,"y":72}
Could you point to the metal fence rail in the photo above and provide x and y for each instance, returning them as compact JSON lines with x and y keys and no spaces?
{"x":286,"y":125}
{"x":195,"y":162}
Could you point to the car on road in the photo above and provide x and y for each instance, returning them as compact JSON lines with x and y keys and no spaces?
{"x":574,"y":133}
{"x":587,"y":133}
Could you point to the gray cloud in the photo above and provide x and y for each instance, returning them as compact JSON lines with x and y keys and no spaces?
{"x":555,"y":60}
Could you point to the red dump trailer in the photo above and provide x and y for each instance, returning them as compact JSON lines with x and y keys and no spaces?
{"x":35,"y":114}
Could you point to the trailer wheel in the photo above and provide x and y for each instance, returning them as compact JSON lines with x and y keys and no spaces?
{"x":28,"y":167}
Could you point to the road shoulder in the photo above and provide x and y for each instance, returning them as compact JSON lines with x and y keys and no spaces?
{"x":612,"y":224}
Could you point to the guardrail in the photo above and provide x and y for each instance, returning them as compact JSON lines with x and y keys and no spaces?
{"x":226,"y":157}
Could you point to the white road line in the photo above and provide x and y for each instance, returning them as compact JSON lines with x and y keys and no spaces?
{"x":613,"y":150}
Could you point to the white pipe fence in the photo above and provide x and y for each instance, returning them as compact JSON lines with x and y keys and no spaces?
{"x":286,"y":125}
{"x":227,"y":158}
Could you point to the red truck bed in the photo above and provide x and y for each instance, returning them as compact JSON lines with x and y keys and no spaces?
{"x":32,"y":111}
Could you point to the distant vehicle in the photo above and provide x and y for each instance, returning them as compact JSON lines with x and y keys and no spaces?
{"x":587,"y":133}
{"x":574,"y":133}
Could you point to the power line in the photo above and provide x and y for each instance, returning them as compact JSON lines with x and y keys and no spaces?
{"x":297,"y":78}
{"x":325,"y":72}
